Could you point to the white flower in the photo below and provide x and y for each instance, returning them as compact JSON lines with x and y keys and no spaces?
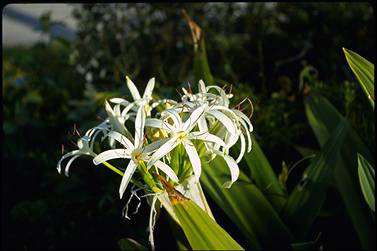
{"x":181,"y":133}
{"x":215,"y":109}
{"x":85,"y":145}
{"x":239,"y":120}
{"x":140,"y":102}
{"x":135,"y":152}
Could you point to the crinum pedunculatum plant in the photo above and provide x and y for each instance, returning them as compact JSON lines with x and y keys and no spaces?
{"x":170,"y":141}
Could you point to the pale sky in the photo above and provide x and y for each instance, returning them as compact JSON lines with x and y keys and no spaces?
{"x":16,"y":33}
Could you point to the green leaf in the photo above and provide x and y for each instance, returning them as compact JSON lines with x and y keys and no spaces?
{"x":245,"y":205}
{"x":264,"y":176}
{"x":323,"y":118}
{"x":179,"y":235}
{"x":202,"y":232}
{"x":130,"y":244}
{"x":366,"y":177}
{"x":306,"y":200}
{"x":364,"y":71}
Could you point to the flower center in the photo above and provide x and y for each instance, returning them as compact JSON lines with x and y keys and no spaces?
{"x":136,"y":155}
{"x":181,"y":135}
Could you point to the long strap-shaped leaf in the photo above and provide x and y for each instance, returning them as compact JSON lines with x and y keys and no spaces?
{"x":245,"y":205}
{"x":202,"y":232}
{"x":364,"y":71}
{"x":264,"y":176}
{"x":323,"y":118}
{"x":306,"y":200}
{"x":366,"y":177}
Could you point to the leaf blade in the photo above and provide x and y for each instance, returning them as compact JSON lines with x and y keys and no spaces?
{"x":246,"y":205}
{"x":364,"y":71}
{"x":307,"y":198}
{"x":264,"y":176}
{"x":202,"y":232}
{"x":366,"y":178}
{"x":323,"y":117}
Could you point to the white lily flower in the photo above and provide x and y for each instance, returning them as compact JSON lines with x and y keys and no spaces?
{"x":85,"y":145}
{"x":84,"y":149}
{"x":240,"y":120}
{"x":180,"y":133}
{"x":135,"y":152}
{"x":116,"y":120}
{"x":138,"y":100}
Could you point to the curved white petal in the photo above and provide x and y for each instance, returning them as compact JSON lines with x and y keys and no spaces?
{"x":247,"y":134}
{"x":225,"y":109}
{"x":231,"y":139}
{"x":202,"y":124}
{"x":117,"y":110}
{"x":206,"y":136}
{"x":127,"y":109}
{"x":119,"y":101}
{"x":224,"y":97}
{"x":167,"y":170}
{"x":173,"y":114}
{"x":244,"y":117}
{"x":226,"y":121}
{"x":112,"y":154}
{"x":154,"y":145}
{"x":69,"y":164}
{"x":67,"y":155}
{"x":127,"y":177}
{"x":149,"y":89}
{"x":158,"y":123}
{"x":193,"y":119}
{"x":162,"y":151}
{"x":234,"y":170}
{"x":134,"y":92}
{"x":202,"y":87}
{"x":121,"y":139}
{"x":242,"y":148}
{"x":139,"y":127}
{"x":108,"y":109}
{"x":194,"y":158}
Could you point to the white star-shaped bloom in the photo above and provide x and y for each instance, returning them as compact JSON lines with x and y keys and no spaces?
{"x":181,"y":133}
{"x":135,"y":152}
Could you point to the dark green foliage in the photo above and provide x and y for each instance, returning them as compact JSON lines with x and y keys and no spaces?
{"x":263,"y":49}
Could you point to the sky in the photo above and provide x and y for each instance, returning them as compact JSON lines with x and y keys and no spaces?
{"x":16,"y":33}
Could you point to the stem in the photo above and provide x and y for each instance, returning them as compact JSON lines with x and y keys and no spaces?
{"x":112,"y":168}
{"x":148,"y":178}
{"x":116,"y":170}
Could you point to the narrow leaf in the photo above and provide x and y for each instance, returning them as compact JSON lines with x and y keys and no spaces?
{"x":246,"y":205}
{"x":306,"y":200}
{"x":202,"y":232}
{"x":323,"y":118}
{"x":364,"y":71}
{"x":263,"y":175}
{"x":366,"y":177}
{"x":130,"y":244}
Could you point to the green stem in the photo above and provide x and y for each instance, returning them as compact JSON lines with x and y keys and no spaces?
{"x":116,"y":170}
{"x":112,"y":168}
{"x":148,"y":178}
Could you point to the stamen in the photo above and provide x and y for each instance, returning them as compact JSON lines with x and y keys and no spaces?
{"x":133,"y":193}
{"x":152,"y":221}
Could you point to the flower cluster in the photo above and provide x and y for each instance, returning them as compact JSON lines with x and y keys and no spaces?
{"x":200,"y":125}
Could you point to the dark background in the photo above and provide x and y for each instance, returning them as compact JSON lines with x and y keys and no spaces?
{"x":259,"y":48}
